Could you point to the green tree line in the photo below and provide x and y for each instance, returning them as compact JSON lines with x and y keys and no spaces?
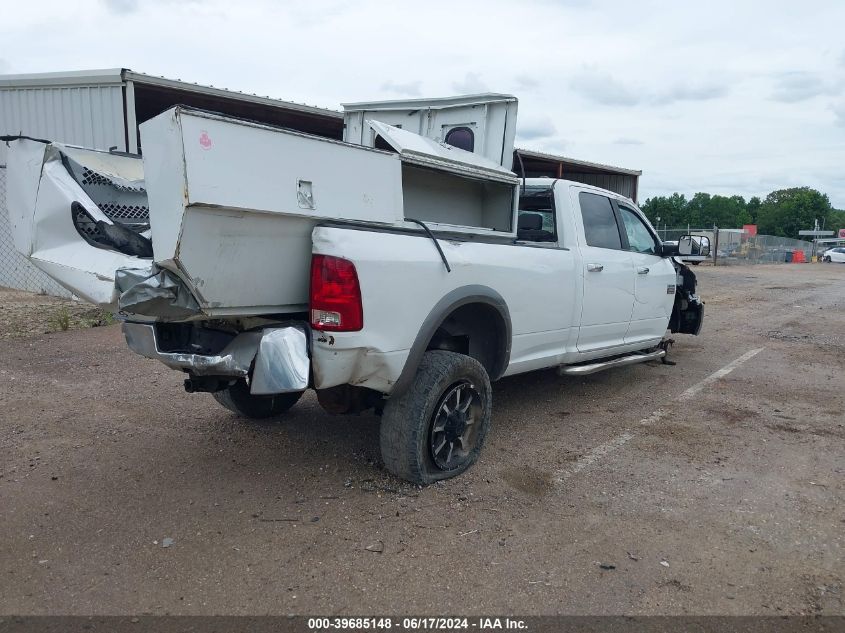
{"x":783,"y":212}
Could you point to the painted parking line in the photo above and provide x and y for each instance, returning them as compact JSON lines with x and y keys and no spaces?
{"x":602,"y":450}
{"x":719,"y":373}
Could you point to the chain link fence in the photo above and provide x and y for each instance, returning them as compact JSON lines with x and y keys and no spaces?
{"x":15,"y":270}
{"x":736,"y":247}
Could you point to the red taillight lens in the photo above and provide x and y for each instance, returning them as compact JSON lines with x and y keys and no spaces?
{"x":335,"y":295}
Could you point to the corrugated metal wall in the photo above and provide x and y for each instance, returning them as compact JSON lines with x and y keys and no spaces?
{"x":90,"y":116}
{"x":619,"y":183}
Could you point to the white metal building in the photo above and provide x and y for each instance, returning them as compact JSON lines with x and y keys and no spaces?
{"x":101,"y":109}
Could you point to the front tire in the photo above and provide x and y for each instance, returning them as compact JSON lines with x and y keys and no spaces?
{"x":826,"y":259}
{"x":238,"y":399}
{"x":436,"y":429}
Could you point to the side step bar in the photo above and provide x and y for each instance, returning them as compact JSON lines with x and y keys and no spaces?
{"x":592,"y":368}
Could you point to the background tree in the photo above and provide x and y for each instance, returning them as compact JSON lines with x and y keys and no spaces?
{"x":753,"y":208}
{"x":836,"y":220}
{"x":783,"y":212}
{"x":786,"y":211}
{"x":670,"y":209}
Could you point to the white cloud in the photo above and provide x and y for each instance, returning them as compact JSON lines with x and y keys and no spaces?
{"x":604,"y":89}
{"x":839,"y":113}
{"x":684,"y":92}
{"x":409,"y":89}
{"x":531,"y":129}
{"x":121,"y":7}
{"x":792,"y":87}
{"x":600,"y":87}
{"x":470,"y":84}
{"x":524,"y":82}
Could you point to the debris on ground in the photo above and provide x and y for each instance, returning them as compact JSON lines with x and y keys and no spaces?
{"x":377,"y":547}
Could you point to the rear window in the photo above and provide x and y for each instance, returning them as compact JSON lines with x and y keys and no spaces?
{"x":537,"y":201}
{"x":600,"y":226}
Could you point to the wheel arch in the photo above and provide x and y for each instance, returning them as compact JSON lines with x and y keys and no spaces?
{"x":476,"y":307}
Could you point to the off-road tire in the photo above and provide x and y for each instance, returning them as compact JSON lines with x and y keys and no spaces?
{"x":238,"y":399}
{"x":407,"y":422}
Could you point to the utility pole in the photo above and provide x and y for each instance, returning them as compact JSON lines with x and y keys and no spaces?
{"x":716,"y":247}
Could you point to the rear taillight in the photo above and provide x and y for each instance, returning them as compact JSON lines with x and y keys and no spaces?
{"x":335,"y":295}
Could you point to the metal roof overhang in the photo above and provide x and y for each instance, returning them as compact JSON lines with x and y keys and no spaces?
{"x":114,"y":76}
{"x":575,"y":165}
{"x":175,"y":84}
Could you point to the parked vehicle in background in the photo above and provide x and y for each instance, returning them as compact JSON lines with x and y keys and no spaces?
{"x":836,"y":254}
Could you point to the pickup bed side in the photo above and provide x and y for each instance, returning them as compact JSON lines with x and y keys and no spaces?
{"x":513,"y":305}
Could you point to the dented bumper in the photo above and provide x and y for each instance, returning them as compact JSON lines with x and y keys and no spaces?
{"x":275,"y":359}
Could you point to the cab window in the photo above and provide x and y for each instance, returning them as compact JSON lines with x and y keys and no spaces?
{"x":640,"y":239}
{"x":600,"y":227}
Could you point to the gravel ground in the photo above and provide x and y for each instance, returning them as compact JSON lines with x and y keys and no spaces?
{"x":614,"y":493}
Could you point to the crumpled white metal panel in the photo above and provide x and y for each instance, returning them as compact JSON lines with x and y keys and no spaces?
{"x":40,"y":194}
{"x":16,"y":271}
{"x":431,"y":153}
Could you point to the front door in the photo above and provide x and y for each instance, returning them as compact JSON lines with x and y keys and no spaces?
{"x":608,"y":292}
{"x":654,"y":280}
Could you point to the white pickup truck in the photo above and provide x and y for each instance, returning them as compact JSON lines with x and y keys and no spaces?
{"x":404,"y":276}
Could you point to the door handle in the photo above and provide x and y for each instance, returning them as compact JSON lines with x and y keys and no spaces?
{"x":595,"y":268}
{"x":642,"y":271}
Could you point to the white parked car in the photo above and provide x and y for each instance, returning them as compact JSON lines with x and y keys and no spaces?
{"x":834,"y":255}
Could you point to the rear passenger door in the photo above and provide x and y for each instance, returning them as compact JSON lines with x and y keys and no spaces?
{"x":654,"y":279}
{"x":608,"y":280}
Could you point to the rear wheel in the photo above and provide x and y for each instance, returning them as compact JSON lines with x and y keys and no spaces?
{"x":238,"y":399}
{"x":436,"y":429}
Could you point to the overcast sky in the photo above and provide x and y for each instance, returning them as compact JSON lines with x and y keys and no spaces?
{"x":723,"y":97}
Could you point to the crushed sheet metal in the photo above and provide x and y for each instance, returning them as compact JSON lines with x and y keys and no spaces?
{"x":282,"y":364}
{"x":234,"y":360}
{"x":155,"y":292}
{"x":40,"y":192}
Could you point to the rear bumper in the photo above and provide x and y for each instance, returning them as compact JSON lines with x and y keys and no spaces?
{"x":275,"y":359}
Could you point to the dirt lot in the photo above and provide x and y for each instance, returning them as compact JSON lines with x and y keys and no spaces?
{"x":24,"y":314}
{"x":620,"y":492}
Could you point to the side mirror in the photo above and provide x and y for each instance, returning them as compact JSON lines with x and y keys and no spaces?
{"x":669,"y":249}
{"x":694,"y":245}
